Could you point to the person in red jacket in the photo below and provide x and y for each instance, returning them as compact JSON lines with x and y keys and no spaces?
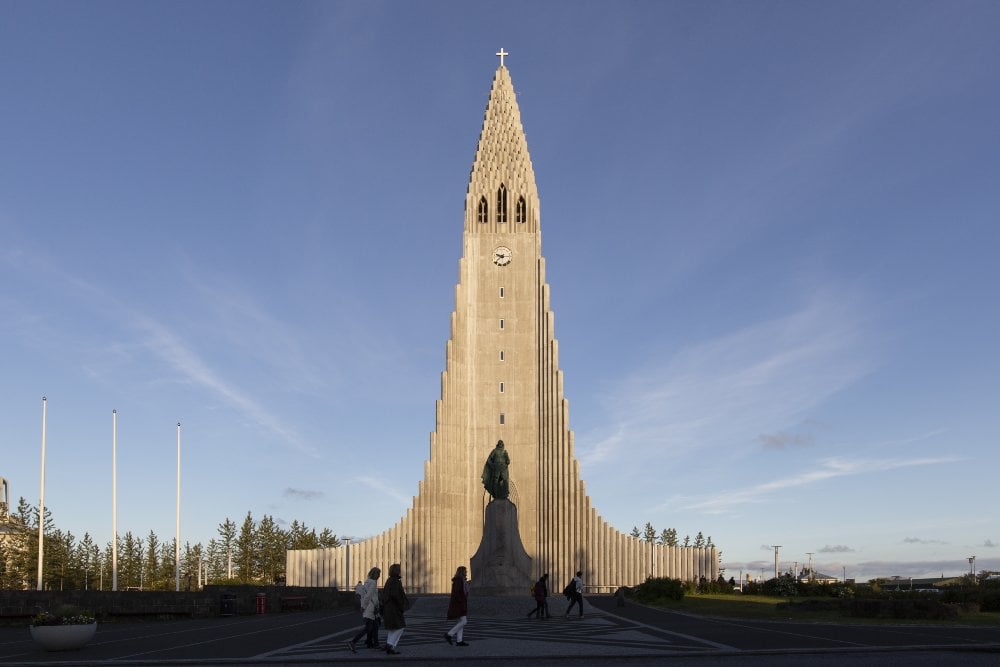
{"x":541,"y":593}
{"x":458,"y":607}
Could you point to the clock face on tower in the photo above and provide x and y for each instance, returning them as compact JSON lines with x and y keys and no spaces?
{"x":502,"y":255}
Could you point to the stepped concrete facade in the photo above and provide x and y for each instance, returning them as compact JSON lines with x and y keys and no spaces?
{"x":502,"y":381}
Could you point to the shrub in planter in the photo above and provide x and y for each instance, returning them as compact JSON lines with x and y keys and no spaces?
{"x":67,"y":628}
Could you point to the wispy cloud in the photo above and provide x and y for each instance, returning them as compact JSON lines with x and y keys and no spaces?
{"x":989,"y":544}
{"x":836,"y":549}
{"x":826,"y":469}
{"x":725,"y":392}
{"x":781,"y":440}
{"x":139,"y":331}
{"x":302,"y":494}
{"x":384,"y":489}
{"x":918,"y":540}
{"x":166,"y":345}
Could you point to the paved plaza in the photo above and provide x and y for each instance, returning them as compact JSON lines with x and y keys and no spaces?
{"x":500,"y":632}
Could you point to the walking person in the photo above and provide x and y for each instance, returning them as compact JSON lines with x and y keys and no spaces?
{"x":394,"y":604}
{"x":368,"y":592}
{"x":458,"y":607}
{"x":541,"y":594}
{"x":575,"y":588}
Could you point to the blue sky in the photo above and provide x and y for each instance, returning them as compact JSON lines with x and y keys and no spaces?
{"x":770,"y":231}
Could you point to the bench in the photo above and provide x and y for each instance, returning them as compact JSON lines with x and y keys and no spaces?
{"x":294,"y":602}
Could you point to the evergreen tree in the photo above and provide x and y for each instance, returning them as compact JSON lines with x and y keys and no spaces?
{"x":327,"y":539}
{"x":635,"y":532}
{"x":85,"y":557}
{"x":129,"y":561}
{"x":669,"y":537}
{"x":699,"y":540}
{"x":227,"y":537}
{"x":271,"y":541}
{"x":649,"y":534}
{"x":258,"y":553}
{"x":156,"y":581}
{"x":168,"y":556}
{"x":246,"y":551}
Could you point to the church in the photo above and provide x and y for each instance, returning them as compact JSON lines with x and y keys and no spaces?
{"x":502,"y":381}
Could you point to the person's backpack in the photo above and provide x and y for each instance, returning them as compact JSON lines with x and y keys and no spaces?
{"x":570,"y":590}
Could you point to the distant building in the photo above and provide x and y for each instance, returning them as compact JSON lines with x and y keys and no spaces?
{"x":807,"y":576}
{"x":935,"y":584}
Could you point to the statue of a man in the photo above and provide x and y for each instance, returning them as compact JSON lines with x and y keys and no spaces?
{"x":496,"y":479}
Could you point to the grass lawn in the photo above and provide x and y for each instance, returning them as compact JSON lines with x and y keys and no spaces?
{"x":761,"y":607}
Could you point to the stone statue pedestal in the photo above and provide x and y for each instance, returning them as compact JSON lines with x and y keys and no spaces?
{"x":501,"y":566}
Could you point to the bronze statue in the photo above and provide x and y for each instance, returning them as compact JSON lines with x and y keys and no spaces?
{"x":496,"y":479}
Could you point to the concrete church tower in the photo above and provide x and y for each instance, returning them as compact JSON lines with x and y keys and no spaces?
{"x":501,"y":381}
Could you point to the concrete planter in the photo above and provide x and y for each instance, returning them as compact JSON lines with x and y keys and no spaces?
{"x":63,"y":637}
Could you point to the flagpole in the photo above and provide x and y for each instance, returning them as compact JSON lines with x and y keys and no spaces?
{"x":41,"y":506}
{"x":114,"y":500}
{"x":177,"y":541}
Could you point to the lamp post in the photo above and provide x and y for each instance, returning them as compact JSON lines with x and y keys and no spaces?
{"x":41,"y":507}
{"x":114,"y":500}
{"x":347,"y":564}
{"x":177,"y":527}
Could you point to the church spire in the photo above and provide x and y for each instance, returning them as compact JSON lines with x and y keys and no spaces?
{"x":502,"y":195}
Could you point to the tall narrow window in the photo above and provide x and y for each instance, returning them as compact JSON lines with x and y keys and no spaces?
{"x":501,"y":387}
{"x":501,"y":419}
{"x":501,"y":292}
{"x":522,"y":210}
{"x":501,"y":355}
{"x":501,"y":324}
{"x":484,"y":210}
{"x":502,"y":203}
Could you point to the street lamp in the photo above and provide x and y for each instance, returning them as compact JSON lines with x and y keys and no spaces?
{"x":347,"y":564}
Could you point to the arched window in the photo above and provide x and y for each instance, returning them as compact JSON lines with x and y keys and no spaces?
{"x":522,"y":210}
{"x":484,"y":210}
{"x":502,"y":203}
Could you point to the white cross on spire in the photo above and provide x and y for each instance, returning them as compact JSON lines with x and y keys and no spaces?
{"x":501,"y":53}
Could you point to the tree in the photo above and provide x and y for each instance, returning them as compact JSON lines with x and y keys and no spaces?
{"x":669,"y":537}
{"x":328,"y":539}
{"x":687,"y":540}
{"x":156,"y":580}
{"x":129,"y":561}
{"x":168,"y":557}
{"x":699,"y":540}
{"x":149,"y":563}
{"x":300,"y":537}
{"x":227,"y":535}
{"x":271,"y":541}
{"x":245,"y":556}
{"x":649,"y":534}
{"x":215,"y":556}
{"x":86,"y":558}
{"x":635,"y":532}
{"x":59,"y":571}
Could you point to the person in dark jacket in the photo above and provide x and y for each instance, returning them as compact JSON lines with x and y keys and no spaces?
{"x":575,"y":593}
{"x":394,"y":604}
{"x":541,"y":594}
{"x":458,"y":607}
